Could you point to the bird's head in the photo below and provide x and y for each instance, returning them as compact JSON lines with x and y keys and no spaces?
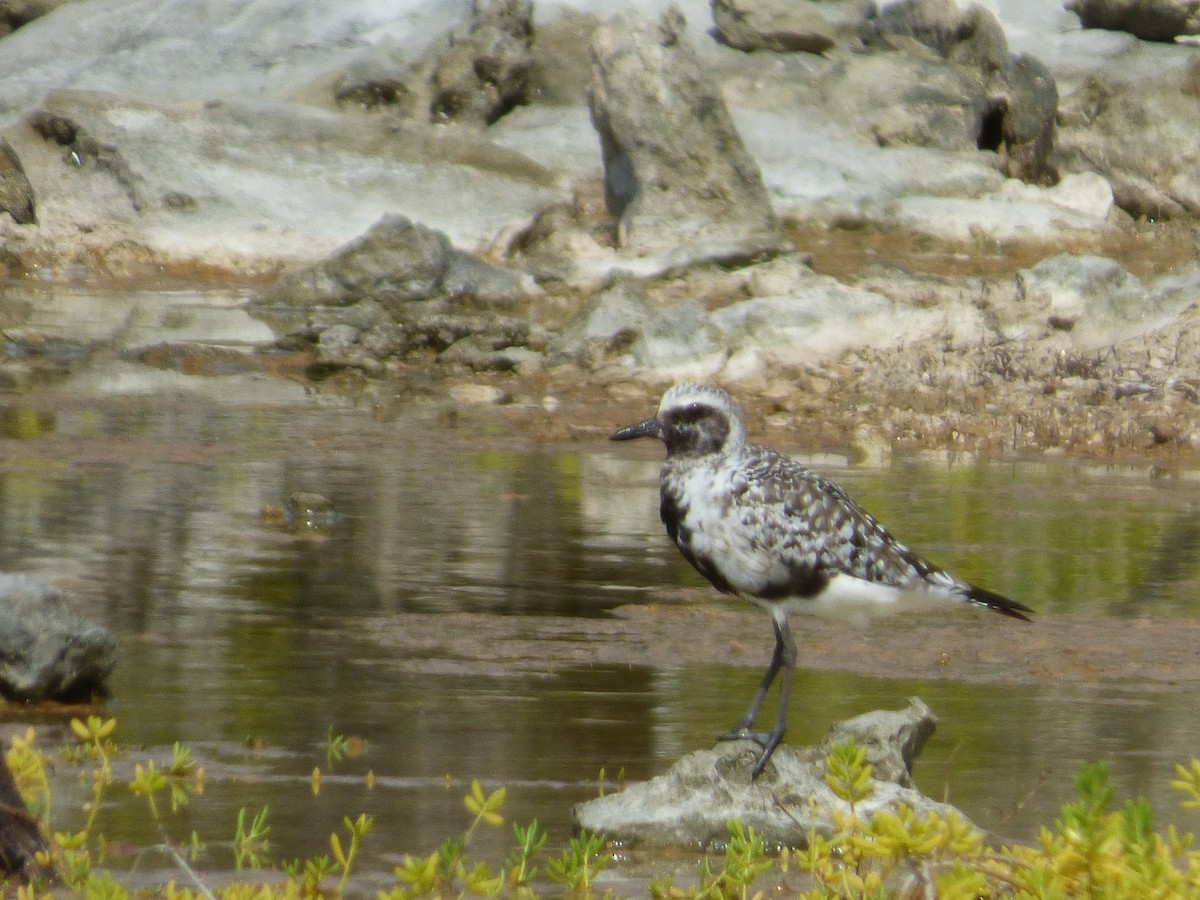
{"x":692,"y":420}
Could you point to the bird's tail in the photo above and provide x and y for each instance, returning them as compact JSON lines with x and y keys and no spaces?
{"x":998,"y":602}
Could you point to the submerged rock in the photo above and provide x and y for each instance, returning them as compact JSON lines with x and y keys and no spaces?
{"x":48,"y":650}
{"x":691,"y":804}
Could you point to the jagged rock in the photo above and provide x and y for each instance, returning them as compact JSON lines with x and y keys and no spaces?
{"x":1143,"y":136}
{"x":84,"y":125}
{"x":1001,"y":102}
{"x":620,"y":321}
{"x":21,"y":838}
{"x":783,"y":26}
{"x":970,"y":36}
{"x":910,"y":99}
{"x":377,"y":79}
{"x":1026,"y":115}
{"x":15,"y":13}
{"x":691,"y":804}
{"x":395,"y":263}
{"x":479,"y":72}
{"x":1150,"y":20}
{"x":1098,"y":302}
{"x":675,"y":169}
{"x":16,"y":193}
{"x":48,"y":651}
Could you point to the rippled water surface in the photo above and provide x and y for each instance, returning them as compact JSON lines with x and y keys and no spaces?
{"x":252,"y":643}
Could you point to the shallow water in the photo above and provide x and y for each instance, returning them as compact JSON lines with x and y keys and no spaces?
{"x":251,"y":643}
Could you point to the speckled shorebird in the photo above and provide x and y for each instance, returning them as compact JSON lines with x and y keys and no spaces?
{"x":760,"y":525}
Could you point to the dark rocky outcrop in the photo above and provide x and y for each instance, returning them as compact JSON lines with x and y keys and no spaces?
{"x":16,"y":13}
{"x":691,"y":804}
{"x":675,"y":169}
{"x":782,"y":26}
{"x":1150,"y":20}
{"x":16,"y":193}
{"x":1006,"y":102}
{"x":1142,"y":136}
{"x":399,"y":288}
{"x":473,"y":76}
{"x":21,"y":839}
{"x":48,"y":650}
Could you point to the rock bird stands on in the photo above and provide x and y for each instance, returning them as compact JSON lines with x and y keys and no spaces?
{"x":760,"y":525}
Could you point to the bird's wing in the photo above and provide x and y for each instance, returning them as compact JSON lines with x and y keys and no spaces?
{"x":813,"y":528}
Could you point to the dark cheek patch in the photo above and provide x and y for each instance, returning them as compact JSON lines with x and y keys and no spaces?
{"x":695,"y":431}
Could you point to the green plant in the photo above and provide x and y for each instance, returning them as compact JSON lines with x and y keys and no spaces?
{"x":447,"y":870}
{"x":745,"y":860}
{"x":345,"y":858}
{"x":250,"y":845}
{"x":579,"y":863}
{"x":520,"y":868}
{"x":335,"y":748}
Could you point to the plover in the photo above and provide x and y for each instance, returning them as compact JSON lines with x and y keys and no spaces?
{"x":758,"y":524}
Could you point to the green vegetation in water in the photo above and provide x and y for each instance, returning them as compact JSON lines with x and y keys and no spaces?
{"x":1093,"y":850}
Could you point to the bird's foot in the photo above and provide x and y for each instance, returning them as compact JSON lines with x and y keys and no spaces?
{"x":768,"y":740}
{"x":742,"y":733}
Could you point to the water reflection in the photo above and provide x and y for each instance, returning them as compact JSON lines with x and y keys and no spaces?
{"x":249,"y":643}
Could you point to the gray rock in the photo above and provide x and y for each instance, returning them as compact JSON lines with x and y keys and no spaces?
{"x":15,"y":13}
{"x":1098,"y":302}
{"x":783,"y":26}
{"x":1007,"y":103}
{"x":821,"y":315}
{"x":375,"y":80}
{"x":909,"y":99}
{"x":479,"y":72}
{"x":970,"y":36}
{"x":1150,"y":20}
{"x":338,"y":338}
{"x":691,"y":804}
{"x":1026,"y":113}
{"x":1143,"y":137}
{"x":48,"y":651}
{"x":16,"y":193}
{"x":620,"y":321}
{"x":476,"y":352}
{"x":395,"y":263}
{"x":675,"y":169}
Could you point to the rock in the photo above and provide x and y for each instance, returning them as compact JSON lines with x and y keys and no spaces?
{"x":620,"y":322}
{"x":690,"y":805}
{"x":16,"y":13}
{"x":783,"y":26}
{"x":48,"y":651}
{"x":1143,"y":137}
{"x":375,"y":80}
{"x":1025,"y":113}
{"x":969,"y":36}
{"x":475,"y":351}
{"x":396,"y":263}
{"x":21,"y":839}
{"x":1008,"y":102}
{"x":16,"y":193}
{"x":478,"y":73}
{"x":820,"y":318}
{"x":910,"y":99}
{"x":1150,"y":20}
{"x":309,"y":512}
{"x":675,"y":169}
{"x":1098,"y":302}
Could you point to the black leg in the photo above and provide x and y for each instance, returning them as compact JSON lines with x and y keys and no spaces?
{"x":784,"y":657}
